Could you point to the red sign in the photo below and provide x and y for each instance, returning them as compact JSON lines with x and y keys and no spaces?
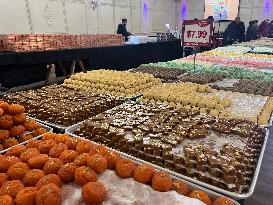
{"x":197,"y":33}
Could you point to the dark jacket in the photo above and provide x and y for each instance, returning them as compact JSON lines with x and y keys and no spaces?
{"x":123,"y":31}
{"x":236,"y":32}
{"x":252,"y":32}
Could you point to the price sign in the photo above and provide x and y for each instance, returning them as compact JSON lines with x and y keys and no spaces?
{"x":196,"y":33}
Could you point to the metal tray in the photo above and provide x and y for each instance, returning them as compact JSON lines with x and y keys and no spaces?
{"x":212,"y":194}
{"x":49,"y":129}
{"x":49,"y":124}
{"x":233,"y":195}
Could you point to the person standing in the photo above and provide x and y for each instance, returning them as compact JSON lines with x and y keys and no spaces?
{"x":123,"y":30}
{"x":271,"y":29}
{"x":235,"y":32}
{"x":264,"y":28}
{"x":252,"y":31}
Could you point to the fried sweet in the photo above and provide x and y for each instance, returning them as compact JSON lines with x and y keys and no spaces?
{"x":10,"y":142}
{"x":25,"y":137}
{"x":38,"y":161}
{"x":200,"y":195}
{"x":125,"y":168}
{"x":111,"y":158}
{"x":3,"y":178}
{"x":68,"y":156}
{"x":17,"y":131}
{"x":181,"y":187}
{"x":1,"y":112}
{"x":161,"y":182}
{"x":26,"y":196}
{"x":72,"y":143}
{"x":6,"y":200}
{"x":4,"y":134}
{"x":33,"y":143}
{"x":6,"y":122}
{"x":15,"y":109}
{"x":39,"y":132}
{"x":98,"y":149}
{"x":222,"y":201}
{"x":32,"y":177}
{"x":4,"y":105}
{"x":7,"y":162}
{"x":49,"y":194}
{"x":31,"y":125}
{"x":84,"y":147}
{"x":29,"y":153}
{"x":57,"y":149}
{"x":1,"y":147}
{"x":81,"y":160}
{"x":61,"y":138}
{"x":84,"y":175}
{"x":19,"y":119}
{"x":48,"y":179}
{"x":45,"y":146}
{"x":16,"y":151}
{"x":97,"y":162}
{"x":144,"y":173}
{"x":11,"y":188}
{"x":53,"y":165}
{"x":67,"y":172}
{"x":49,"y":136}
{"x":93,"y":193}
{"x":18,"y":171}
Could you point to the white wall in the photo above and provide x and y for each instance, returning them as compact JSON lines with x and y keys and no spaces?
{"x":79,"y":17}
{"x":248,"y":10}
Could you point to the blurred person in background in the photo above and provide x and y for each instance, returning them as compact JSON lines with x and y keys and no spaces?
{"x":123,"y":30}
{"x":252,"y":32}
{"x":271,"y":29}
{"x":264,"y":28}
{"x":235,"y":32}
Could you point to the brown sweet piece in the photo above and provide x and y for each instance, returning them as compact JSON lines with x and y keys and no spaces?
{"x":45,"y":146}
{"x":49,"y":194}
{"x":84,"y":147}
{"x":197,"y":134}
{"x":111,"y":158}
{"x":48,"y":179}
{"x":61,"y":138}
{"x":10,"y":142}
{"x":38,"y":162}
{"x":97,"y":162}
{"x":222,"y":201}
{"x":33,"y":143}
{"x":93,"y":193}
{"x":6,"y":200}
{"x":67,"y":172}
{"x":24,"y":138}
{"x":181,"y":187}
{"x":18,"y":171}
{"x":3,"y":178}
{"x":4,"y":134}
{"x":125,"y":168}
{"x":31,"y":125}
{"x":26,"y":196}
{"x":72,"y":143}
{"x":200,"y":195}
{"x":161,"y":182}
{"x":32,"y":177}
{"x":16,"y":151}
{"x":11,"y":188}
{"x":39,"y":132}
{"x":144,"y":173}
{"x":53,"y":165}
{"x":19,"y":119}
{"x":29,"y":153}
{"x":84,"y":174}
{"x":68,"y":156}
{"x":80,"y":160}
{"x":7,"y":162}
{"x":57,"y":149}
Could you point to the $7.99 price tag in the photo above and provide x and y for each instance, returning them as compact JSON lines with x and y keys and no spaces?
{"x":196,"y":33}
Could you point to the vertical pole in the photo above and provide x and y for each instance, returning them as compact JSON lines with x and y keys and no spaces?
{"x":194,"y":59}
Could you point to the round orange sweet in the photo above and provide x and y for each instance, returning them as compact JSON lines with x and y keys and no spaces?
{"x":61,"y":138}
{"x":6,"y":122}
{"x":112,"y":158}
{"x":1,"y":147}
{"x":39,"y":132}
{"x":97,"y":162}
{"x":84,"y":175}
{"x":7,"y":162}
{"x":38,"y":162}
{"x":15,"y":109}
{"x":31,"y":125}
{"x":29,"y":153}
{"x":10,"y":142}
{"x":84,"y":147}
{"x":6,"y":200}
{"x":3,"y":178}
{"x":1,"y":112}
{"x":125,"y":168}
{"x":16,"y":131}
{"x":53,"y":165}
{"x":33,"y":143}
{"x":16,"y":151}
{"x":222,"y":201}
{"x":26,"y":196}
{"x":25,"y":137}
{"x":99,"y":149}
{"x":57,"y":149}
{"x":200,"y":195}
{"x":181,"y":187}
{"x":161,"y":182}
{"x":49,"y":194}
{"x":32,"y":177}
{"x":68,"y":156}
{"x":93,"y":193}
{"x":19,"y":119}
{"x":48,"y":179}
{"x":144,"y":174}
{"x":18,"y":171}
{"x":11,"y":188}
{"x":67,"y":172}
{"x":45,"y":146}
{"x":72,"y":143}
{"x":81,"y":160}
{"x":4,"y":134}
{"x":49,"y":136}
{"x":4,"y":105}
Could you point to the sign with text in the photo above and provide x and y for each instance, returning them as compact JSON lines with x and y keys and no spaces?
{"x":197,"y":33}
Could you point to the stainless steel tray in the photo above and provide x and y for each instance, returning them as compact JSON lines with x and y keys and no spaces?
{"x":212,"y":194}
{"x":49,"y":129}
{"x":233,"y":195}
{"x":49,"y":124}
